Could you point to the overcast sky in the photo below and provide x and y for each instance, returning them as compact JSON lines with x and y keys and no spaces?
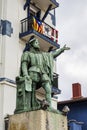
{"x":71,"y":19}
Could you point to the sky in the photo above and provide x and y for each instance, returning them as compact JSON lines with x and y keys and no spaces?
{"x":71,"y":21}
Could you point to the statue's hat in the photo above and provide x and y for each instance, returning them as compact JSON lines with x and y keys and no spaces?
{"x":32,"y":38}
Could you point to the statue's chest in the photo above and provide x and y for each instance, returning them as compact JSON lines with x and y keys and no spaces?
{"x":36,"y":59}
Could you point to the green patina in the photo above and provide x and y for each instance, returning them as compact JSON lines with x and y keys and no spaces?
{"x":36,"y":71}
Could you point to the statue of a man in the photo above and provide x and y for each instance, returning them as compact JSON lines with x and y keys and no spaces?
{"x":37,"y":66}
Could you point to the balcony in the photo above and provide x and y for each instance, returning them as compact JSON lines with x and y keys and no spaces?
{"x":47,"y":36}
{"x":44,"y":4}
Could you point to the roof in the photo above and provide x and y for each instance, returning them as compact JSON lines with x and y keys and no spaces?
{"x":82,"y":99}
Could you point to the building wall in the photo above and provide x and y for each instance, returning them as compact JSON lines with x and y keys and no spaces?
{"x":13,"y":12}
{"x":10,"y":52}
{"x":7,"y":101}
{"x":78,"y":112}
{"x":11,"y":48}
{"x":1,"y":107}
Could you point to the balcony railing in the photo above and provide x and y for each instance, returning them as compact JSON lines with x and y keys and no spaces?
{"x":32,"y":23}
{"x":47,"y":36}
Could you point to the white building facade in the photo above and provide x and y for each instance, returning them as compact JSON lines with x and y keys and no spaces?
{"x":19,"y":20}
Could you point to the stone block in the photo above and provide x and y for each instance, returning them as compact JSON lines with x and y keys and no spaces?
{"x":38,"y":120}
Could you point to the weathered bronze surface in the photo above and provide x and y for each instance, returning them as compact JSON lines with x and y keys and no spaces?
{"x":36,"y":71}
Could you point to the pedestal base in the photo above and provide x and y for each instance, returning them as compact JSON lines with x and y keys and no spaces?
{"x":38,"y":120}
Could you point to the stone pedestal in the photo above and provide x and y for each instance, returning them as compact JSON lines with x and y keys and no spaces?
{"x":38,"y":120}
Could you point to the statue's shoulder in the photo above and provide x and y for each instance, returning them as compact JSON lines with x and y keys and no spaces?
{"x":25,"y":56}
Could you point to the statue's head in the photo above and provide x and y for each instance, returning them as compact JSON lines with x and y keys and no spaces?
{"x":34,"y":42}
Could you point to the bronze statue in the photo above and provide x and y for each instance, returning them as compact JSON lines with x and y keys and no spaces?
{"x":36,"y":71}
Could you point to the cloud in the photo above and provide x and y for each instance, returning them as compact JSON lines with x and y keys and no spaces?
{"x":72,"y":26}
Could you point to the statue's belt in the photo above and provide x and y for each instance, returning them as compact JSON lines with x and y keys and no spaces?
{"x":37,"y":69}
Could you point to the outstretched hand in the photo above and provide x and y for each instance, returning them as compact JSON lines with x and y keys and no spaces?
{"x":66,"y":48}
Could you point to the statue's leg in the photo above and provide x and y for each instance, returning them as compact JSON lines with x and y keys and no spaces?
{"x":35,"y":102}
{"x":33,"y":93}
{"x":47,"y":87}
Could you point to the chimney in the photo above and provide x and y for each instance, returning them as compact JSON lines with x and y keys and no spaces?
{"x":76,"y":88}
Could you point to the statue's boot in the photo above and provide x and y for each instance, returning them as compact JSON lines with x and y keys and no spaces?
{"x":47,"y":88}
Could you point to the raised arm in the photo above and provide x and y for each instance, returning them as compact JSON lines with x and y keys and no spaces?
{"x":60,"y":51}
